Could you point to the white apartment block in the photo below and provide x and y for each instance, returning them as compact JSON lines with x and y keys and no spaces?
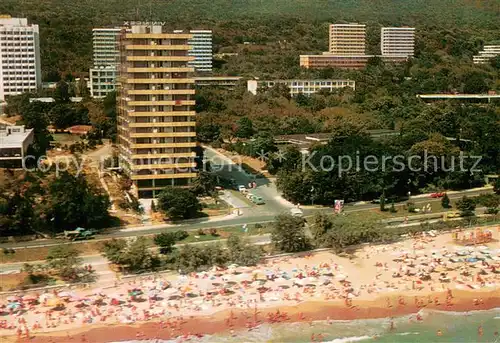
{"x":105,"y":45}
{"x":488,"y":52}
{"x":306,"y":87}
{"x":20,"y":67}
{"x":347,"y":39}
{"x":397,"y":41}
{"x":201,"y":49}
{"x":105,"y":59}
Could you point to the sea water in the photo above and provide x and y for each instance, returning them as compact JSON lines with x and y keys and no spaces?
{"x":455,"y":327}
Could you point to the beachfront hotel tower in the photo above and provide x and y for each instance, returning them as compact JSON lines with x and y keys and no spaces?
{"x":347,"y":39}
{"x":201,"y":49}
{"x":105,"y":60}
{"x":20,"y":67}
{"x":397,"y":41}
{"x":156,"y":118}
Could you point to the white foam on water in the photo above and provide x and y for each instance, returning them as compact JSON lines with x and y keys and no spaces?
{"x":408,"y":333}
{"x":349,"y":339}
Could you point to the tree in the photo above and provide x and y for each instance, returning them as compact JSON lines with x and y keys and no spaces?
{"x":208,"y":132}
{"x":153,"y":206}
{"x":319,"y":228}
{"x":242,"y":252}
{"x":114,"y":250}
{"x":204,"y":183}
{"x":393,"y":208}
{"x":72,"y":203}
{"x":496,"y":186}
{"x":445,"y":201}
{"x":133,"y":255}
{"x":138,"y":257}
{"x":244,"y":128}
{"x":382,"y":202}
{"x":288,"y":233}
{"x":475,"y":83}
{"x":65,"y":261}
{"x":178,"y":203}
{"x":166,"y":241}
{"x":466,"y":206}
{"x":61,"y":93}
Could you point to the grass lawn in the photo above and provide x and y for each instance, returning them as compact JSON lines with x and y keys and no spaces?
{"x":65,"y":138}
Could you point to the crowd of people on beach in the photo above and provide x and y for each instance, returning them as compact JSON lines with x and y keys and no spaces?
{"x":419,"y":266}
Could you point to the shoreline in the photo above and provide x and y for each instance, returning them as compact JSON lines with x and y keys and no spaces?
{"x":229,"y":320}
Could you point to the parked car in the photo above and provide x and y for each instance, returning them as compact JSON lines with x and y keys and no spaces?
{"x":242,"y":189}
{"x":438,"y":195}
{"x":377,"y":201}
{"x":257,"y":200}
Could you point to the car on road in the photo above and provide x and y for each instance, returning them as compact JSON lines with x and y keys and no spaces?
{"x":377,"y":201}
{"x":438,"y":195}
{"x":242,"y":189}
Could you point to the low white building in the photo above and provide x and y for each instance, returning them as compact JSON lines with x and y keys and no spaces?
{"x":14,"y":143}
{"x":306,"y":87}
{"x":485,"y":56}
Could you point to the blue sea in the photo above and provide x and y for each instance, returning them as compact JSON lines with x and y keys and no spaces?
{"x":455,"y":327}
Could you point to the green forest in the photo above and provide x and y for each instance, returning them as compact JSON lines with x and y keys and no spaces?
{"x":279,"y":29}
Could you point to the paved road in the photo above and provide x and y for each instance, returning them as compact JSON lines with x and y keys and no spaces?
{"x":100,"y":264}
{"x":249,"y":217}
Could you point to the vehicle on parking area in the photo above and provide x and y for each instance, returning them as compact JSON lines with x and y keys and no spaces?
{"x":257,"y":200}
{"x":242,"y":189}
{"x":438,"y":195}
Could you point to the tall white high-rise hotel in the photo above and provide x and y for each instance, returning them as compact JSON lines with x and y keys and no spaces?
{"x":397,"y":41}
{"x":20,"y":67}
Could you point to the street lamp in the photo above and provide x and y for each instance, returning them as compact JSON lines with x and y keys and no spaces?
{"x":312,"y":195}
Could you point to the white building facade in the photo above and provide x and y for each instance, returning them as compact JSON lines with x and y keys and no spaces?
{"x":20,"y":66}
{"x":306,"y":87}
{"x":106,"y":58}
{"x":488,"y":52}
{"x":397,"y":41}
{"x":347,"y":39}
{"x":201,"y":49}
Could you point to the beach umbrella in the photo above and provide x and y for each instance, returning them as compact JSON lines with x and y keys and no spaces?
{"x":14,"y":306}
{"x":46,"y":296}
{"x":29,"y":298}
{"x":54,"y":302}
{"x":341,"y":277}
{"x":13,"y":298}
{"x":64,"y":294}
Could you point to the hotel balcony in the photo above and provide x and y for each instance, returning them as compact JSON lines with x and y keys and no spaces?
{"x":160,"y":58}
{"x":163,"y":176}
{"x":157,"y":47}
{"x":163,"y":145}
{"x":162,"y":134}
{"x":164,"y":124}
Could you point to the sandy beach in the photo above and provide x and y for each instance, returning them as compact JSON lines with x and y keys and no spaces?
{"x":384,"y":281}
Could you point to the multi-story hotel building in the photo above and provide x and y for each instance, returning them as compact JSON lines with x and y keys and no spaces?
{"x":20,"y":68}
{"x":201,"y":49}
{"x":306,"y":87}
{"x":156,"y":119}
{"x":397,"y":41}
{"x":347,"y":39}
{"x":488,"y":52}
{"x":106,"y":53}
